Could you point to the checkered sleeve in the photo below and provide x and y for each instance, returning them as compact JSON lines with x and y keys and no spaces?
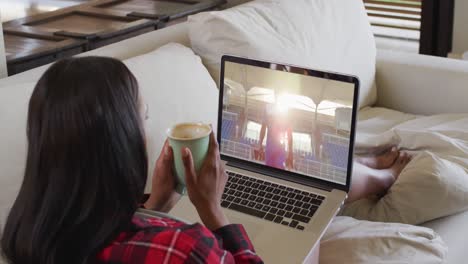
{"x":154,"y":240}
{"x":234,"y":239}
{"x":229,"y":244}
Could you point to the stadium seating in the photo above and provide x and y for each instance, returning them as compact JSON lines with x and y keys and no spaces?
{"x":337,"y":154}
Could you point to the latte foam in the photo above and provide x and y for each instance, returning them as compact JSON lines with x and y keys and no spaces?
{"x":189,"y":131}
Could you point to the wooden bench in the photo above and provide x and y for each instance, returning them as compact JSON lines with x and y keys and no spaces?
{"x":38,"y":40}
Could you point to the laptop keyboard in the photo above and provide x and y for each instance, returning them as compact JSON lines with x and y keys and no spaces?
{"x":277,"y":203}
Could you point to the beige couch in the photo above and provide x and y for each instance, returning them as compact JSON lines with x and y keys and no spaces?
{"x":408,"y":83}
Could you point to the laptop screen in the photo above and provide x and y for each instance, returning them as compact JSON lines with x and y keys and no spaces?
{"x":287,"y":118}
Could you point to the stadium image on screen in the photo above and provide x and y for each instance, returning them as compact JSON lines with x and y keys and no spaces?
{"x":285,"y":118}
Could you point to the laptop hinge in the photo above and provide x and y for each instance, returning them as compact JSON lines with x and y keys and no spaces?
{"x":280,"y":175}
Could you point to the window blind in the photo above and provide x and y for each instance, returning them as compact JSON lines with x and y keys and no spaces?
{"x":399,"y":19}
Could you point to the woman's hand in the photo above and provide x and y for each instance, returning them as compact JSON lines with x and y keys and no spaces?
{"x":206,"y":188}
{"x":163,"y":196}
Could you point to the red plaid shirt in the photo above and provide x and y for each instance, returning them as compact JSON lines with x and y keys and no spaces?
{"x":164,"y":240}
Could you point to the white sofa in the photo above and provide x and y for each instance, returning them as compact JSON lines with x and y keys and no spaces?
{"x":408,"y":83}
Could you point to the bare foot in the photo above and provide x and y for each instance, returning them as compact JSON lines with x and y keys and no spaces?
{"x":403,"y":160}
{"x":382,"y":161}
{"x":369,"y":182}
{"x":388,"y":176}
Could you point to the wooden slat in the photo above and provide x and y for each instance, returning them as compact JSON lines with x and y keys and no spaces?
{"x":162,"y":10}
{"x":393,"y":10}
{"x":23,"y":46}
{"x":417,"y":3}
{"x":394,"y":26}
{"x":394,"y":3}
{"x":200,"y":6}
{"x":394,"y":17}
{"x":105,"y":13}
{"x":26,"y":31}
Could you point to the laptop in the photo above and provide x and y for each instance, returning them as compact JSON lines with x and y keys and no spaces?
{"x":286,"y":134}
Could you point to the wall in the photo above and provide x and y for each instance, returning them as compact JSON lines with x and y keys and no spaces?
{"x":3,"y":68}
{"x":460,"y":31}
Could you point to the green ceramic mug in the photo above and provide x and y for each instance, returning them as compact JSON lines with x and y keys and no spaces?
{"x":194,"y":136}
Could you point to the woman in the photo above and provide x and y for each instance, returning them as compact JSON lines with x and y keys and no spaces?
{"x":85,"y":175}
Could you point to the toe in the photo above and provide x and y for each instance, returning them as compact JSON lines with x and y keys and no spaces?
{"x":401,"y":158}
{"x":410,"y":157}
{"x":406,"y":158}
{"x":390,"y":157}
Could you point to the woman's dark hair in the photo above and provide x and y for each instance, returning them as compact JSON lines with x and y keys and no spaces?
{"x":86,"y":165}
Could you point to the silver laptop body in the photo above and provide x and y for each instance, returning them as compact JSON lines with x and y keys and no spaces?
{"x":286,"y":134}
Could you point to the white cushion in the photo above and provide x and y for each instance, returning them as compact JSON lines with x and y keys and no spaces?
{"x":352,"y":241}
{"x":14,"y":102}
{"x":177,"y":88}
{"x":173,"y":82}
{"x":332,"y":35}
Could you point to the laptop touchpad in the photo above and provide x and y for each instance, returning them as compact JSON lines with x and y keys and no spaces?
{"x":252,"y":225}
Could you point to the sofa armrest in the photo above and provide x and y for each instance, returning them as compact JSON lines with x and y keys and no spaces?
{"x":421,"y":84}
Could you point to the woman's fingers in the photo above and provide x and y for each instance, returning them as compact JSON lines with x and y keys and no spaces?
{"x":164,"y":148}
{"x":165,"y":159}
{"x":213,"y":143}
{"x":190,"y":175}
{"x":168,"y":156}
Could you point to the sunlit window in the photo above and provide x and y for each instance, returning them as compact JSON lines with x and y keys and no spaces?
{"x":253,"y":131}
{"x":302,"y":142}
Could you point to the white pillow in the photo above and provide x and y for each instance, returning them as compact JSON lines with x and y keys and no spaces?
{"x":353,"y":242}
{"x":431,"y":186}
{"x":332,"y":35}
{"x":14,"y":101}
{"x":177,"y":88}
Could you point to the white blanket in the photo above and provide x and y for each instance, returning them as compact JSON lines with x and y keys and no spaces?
{"x":435,"y":183}
{"x":442,"y":134}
